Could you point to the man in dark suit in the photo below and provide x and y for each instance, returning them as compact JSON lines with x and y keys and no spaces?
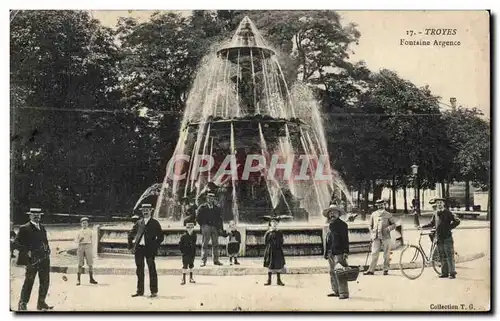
{"x":444,"y":221}
{"x":209,"y":216}
{"x":34,"y":253}
{"x":144,"y":240}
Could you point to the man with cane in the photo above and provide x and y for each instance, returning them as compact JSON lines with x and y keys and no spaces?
{"x":34,"y":253}
{"x":381,"y":225}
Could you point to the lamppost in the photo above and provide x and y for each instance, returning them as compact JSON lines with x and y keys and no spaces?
{"x":414,"y":170}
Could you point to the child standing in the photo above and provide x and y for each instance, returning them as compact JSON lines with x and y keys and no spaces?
{"x":188,"y":249}
{"x":84,"y":251}
{"x":274,"y":259}
{"x":233,"y":243}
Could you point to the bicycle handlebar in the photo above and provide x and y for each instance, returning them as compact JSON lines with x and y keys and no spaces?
{"x":428,"y":233}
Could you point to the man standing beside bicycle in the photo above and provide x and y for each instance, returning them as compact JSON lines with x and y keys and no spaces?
{"x":381,"y":225}
{"x":443,"y":221}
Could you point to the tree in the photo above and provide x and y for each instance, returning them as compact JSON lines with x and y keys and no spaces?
{"x":469,"y":136}
{"x":66,"y":117}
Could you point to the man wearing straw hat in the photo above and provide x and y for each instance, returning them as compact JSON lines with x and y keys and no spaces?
{"x":144,"y":240}
{"x":34,"y":253}
{"x":84,"y":250}
{"x":381,"y":225}
{"x":337,"y":250}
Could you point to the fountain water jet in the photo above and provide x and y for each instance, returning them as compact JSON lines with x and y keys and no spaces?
{"x":242,"y":102}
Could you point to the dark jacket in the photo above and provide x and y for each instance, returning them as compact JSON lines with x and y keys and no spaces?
{"x":233,"y":236}
{"x":187,"y":244}
{"x":153,"y":235}
{"x":337,"y":238}
{"x":443,"y":224}
{"x":274,"y":258}
{"x":30,"y":238}
{"x":209,"y":216}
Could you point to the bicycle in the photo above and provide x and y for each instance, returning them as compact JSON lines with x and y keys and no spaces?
{"x":419,"y":259}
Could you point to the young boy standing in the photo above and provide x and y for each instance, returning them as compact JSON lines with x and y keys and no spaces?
{"x":274,"y":259}
{"x":233,"y":243}
{"x":188,"y":249}
{"x":84,"y":251}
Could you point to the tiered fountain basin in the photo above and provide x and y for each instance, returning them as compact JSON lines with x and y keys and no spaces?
{"x":301,"y":239}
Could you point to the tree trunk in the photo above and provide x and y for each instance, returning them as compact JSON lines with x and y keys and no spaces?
{"x":443,"y":190}
{"x":377,"y":191}
{"x":488,"y":210}
{"x":405,"y":198}
{"x":447,"y":190}
{"x":467,"y":195}
{"x":365,"y":196}
{"x":374,"y":187}
{"x":359,"y":193}
{"x":394,"y":209}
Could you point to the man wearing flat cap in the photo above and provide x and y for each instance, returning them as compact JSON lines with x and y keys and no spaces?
{"x":34,"y":253}
{"x":144,"y":240}
{"x":381,"y":225}
{"x":209,"y":216}
{"x":443,"y":221}
{"x":84,"y":250}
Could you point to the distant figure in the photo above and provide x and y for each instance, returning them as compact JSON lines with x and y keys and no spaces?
{"x":444,"y":221}
{"x":336,"y":252}
{"x":274,"y":259}
{"x":189,"y":210}
{"x":34,"y":253}
{"x":209,"y":216}
{"x":187,"y":246}
{"x":381,"y":225}
{"x":414,"y":204}
{"x":233,"y":243}
{"x":84,"y":250}
{"x":144,"y":240}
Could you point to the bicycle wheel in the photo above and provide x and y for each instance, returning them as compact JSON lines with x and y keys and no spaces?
{"x":411,"y":262}
{"x":436,"y":262}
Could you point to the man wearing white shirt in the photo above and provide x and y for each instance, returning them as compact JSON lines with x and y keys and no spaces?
{"x":381,"y":225}
{"x":144,"y":240}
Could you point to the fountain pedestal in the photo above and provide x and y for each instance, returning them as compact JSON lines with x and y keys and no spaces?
{"x":300,"y":240}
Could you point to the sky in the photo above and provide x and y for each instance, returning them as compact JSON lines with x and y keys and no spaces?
{"x":461,"y":71}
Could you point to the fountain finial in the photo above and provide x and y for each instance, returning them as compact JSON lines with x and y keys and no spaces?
{"x":246,"y":41}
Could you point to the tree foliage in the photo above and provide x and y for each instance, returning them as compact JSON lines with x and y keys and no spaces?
{"x":95,"y":111}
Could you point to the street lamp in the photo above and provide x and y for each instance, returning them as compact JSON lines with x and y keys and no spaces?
{"x":414,"y":170}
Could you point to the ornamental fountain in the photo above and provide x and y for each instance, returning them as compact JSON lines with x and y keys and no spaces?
{"x":240,"y":105}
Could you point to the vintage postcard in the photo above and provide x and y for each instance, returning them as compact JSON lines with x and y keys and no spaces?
{"x":250,"y":160}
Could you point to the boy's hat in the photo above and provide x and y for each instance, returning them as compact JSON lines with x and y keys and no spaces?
{"x":35,"y":210}
{"x":438,"y":199}
{"x":380,"y":201}
{"x":84,"y":219}
{"x":189,"y":224}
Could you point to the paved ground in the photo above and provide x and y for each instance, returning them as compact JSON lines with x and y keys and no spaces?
{"x":305,"y":292}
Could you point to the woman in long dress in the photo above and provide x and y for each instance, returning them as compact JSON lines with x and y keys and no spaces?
{"x":274,"y":259}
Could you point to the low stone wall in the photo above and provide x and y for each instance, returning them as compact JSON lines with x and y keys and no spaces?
{"x":300,"y":240}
